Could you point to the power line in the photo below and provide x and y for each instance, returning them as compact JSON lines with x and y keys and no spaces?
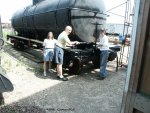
{"x":116,"y":6}
{"x":117,"y":14}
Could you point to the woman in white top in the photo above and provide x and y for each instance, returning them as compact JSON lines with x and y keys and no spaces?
{"x":48,"y":50}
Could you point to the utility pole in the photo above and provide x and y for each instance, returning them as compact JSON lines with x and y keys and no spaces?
{"x":124,"y":55}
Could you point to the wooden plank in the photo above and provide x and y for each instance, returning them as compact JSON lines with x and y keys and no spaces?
{"x":139,"y":44}
{"x":135,"y":75}
{"x":145,"y":80}
{"x":129,"y":79}
{"x":141,"y":49}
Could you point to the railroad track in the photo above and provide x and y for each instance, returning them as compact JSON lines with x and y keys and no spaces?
{"x":29,"y":53}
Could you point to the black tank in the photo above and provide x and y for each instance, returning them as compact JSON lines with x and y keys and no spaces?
{"x":37,"y":20}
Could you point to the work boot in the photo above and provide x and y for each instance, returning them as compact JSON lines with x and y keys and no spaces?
{"x":100,"y":78}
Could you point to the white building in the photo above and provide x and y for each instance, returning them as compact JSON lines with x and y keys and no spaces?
{"x":118,"y":29}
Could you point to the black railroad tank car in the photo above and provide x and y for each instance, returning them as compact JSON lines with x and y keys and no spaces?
{"x":36,"y":1}
{"x":37,"y":20}
{"x":85,"y":16}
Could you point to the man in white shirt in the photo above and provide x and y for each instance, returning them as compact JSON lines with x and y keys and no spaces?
{"x":103,"y":45}
{"x":62,"y":41}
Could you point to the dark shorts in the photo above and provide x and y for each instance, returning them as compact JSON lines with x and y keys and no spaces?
{"x":59,"y":54}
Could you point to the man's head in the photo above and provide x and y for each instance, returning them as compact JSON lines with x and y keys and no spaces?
{"x":68,"y":29}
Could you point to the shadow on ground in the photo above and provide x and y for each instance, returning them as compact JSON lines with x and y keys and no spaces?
{"x":81,"y":94}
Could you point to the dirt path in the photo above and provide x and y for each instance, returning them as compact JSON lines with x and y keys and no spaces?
{"x":34,"y":93}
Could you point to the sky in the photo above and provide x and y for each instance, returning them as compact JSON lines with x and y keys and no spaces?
{"x":9,"y":7}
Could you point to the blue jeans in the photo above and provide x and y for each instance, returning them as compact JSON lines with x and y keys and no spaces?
{"x":59,"y":54}
{"x":103,"y":62}
{"x":48,"y":54}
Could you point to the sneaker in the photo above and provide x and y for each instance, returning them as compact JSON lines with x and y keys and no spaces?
{"x":45,"y":74}
{"x":63,"y":79}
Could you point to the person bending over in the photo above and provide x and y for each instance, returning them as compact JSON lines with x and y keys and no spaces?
{"x":62,"y":41}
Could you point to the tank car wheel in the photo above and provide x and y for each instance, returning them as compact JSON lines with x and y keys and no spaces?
{"x":96,"y":58}
{"x":18,"y":45}
{"x":75,"y":66}
{"x":96,"y":61}
{"x":15,"y":44}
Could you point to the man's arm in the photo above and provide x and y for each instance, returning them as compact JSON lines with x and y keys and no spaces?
{"x":99,"y":43}
{"x":74,"y":42}
{"x":71,"y":42}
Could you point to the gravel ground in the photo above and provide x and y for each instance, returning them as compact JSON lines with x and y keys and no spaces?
{"x":34,"y":93}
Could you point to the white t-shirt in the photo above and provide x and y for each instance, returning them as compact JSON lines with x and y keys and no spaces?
{"x":103,"y":43}
{"x":63,"y":39}
{"x":48,"y":43}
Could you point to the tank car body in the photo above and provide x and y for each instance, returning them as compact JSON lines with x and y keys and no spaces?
{"x":37,"y":20}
